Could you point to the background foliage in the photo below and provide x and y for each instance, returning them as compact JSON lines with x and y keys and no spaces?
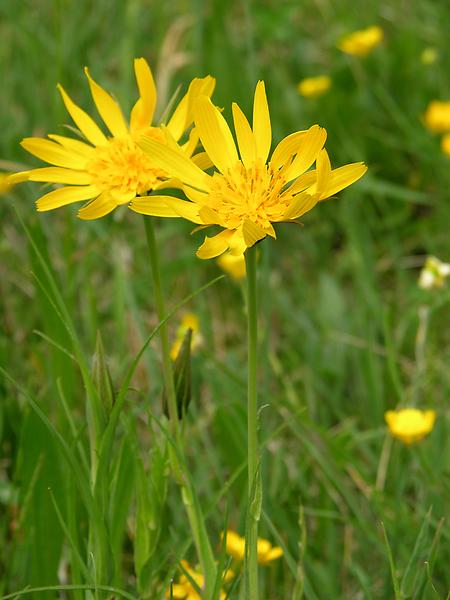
{"x":339,"y":297}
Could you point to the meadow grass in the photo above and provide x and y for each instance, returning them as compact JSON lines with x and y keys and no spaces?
{"x":358,"y":515}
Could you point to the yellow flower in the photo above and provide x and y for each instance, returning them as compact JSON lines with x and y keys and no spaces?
{"x":362,"y":42}
{"x":185,"y":590}
{"x":445,"y":144}
{"x":245,"y":196}
{"x":312,"y":87}
{"x":410,"y":424}
{"x":233,"y":265}
{"x":437,"y":116}
{"x":189,"y":321}
{"x":429,"y":56}
{"x":110,"y":170}
{"x":266,"y":552}
{"x":433,"y":273}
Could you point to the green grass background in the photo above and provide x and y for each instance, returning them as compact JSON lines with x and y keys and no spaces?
{"x":339,"y":300}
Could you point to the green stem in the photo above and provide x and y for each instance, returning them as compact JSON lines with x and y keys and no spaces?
{"x":178,"y":463}
{"x":254,"y":482}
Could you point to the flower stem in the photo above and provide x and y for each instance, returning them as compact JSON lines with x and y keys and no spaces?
{"x":254,"y":481}
{"x":178,"y":463}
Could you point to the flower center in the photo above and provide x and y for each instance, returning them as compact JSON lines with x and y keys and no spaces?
{"x":121,"y":168}
{"x":256,"y":193}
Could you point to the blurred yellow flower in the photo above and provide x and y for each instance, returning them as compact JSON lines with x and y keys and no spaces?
{"x":433,"y":273}
{"x":266,"y":552}
{"x":246,"y":196}
{"x":312,"y":87}
{"x":437,"y":116}
{"x":188,"y":321}
{"x":185,"y":590}
{"x":429,"y":56}
{"x":233,"y":265}
{"x":445,"y":144}
{"x":362,"y":42}
{"x":111,"y":170}
{"x":410,"y":424}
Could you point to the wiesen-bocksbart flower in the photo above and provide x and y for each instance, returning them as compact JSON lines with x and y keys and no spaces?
{"x":362,"y":42}
{"x":410,"y":424}
{"x":313,"y":87}
{"x":248,"y":193}
{"x":110,"y":169}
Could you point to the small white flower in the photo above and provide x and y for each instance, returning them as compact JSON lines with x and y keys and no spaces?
{"x":433,"y":273}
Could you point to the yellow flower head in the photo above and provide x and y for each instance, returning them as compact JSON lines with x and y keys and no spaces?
{"x":433,"y":273}
{"x":266,"y":552}
{"x":189,"y":321}
{"x":110,"y":170}
{"x":233,"y":265}
{"x":445,"y":144}
{"x":185,"y":590}
{"x":312,"y":87}
{"x":437,"y":116}
{"x":362,"y":42}
{"x":246,"y":195}
{"x":410,"y":424}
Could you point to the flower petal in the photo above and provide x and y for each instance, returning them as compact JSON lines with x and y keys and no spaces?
{"x":286,"y":149}
{"x":261,"y":122}
{"x":183,"y":115}
{"x":310,"y":146}
{"x":64,"y":196}
{"x":60,"y":175}
{"x":323,"y":167}
{"x":252,"y":233}
{"x":82,"y":120}
{"x":174,"y":163}
{"x":144,"y":109}
{"x":73,"y":145}
{"x":302,"y":183}
{"x":53,"y":153}
{"x":108,"y":108}
{"x":301,"y":204}
{"x":214,"y":246}
{"x":166,"y":206}
{"x":215,"y":134}
{"x":99,"y":207}
{"x":343,"y":177}
{"x":245,"y":137}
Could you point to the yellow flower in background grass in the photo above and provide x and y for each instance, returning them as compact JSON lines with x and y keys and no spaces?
{"x":247,"y":195}
{"x":188,"y":321}
{"x":362,"y":42}
{"x":410,"y":424}
{"x":110,"y":170}
{"x":433,"y":273}
{"x":312,"y":87}
{"x":437,"y":116}
{"x":185,"y":590}
{"x":235,"y":546}
{"x":233,"y":265}
{"x":445,"y":144}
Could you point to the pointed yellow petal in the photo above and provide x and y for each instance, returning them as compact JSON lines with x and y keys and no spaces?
{"x":310,"y":146}
{"x":183,"y":115}
{"x":107,"y":108}
{"x":323,"y":167}
{"x":144,"y":109}
{"x":73,"y":145}
{"x":214,"y":246}
{"x":302,"y":183}
{"x":53,"y":153}
{"x":64,"y":196}
{"x":245,"y":137}
{"x":286,"y":149}
{"x":99,"y":207}
{"x":202,"y":161}
{"x":60,"y":175}
{"x":166,"y":206}
{"x":215,"y":134}
{"x":261,"y":122}
{"x":209,"y":216}
{"x":196,"y":196}
{"x":342,"y":178}
{"x":252,"y":233}
{"x":301,"y":204}
{"x":82,"y":120}
{"x":14,"y":178}
{"x":174,"y":163}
